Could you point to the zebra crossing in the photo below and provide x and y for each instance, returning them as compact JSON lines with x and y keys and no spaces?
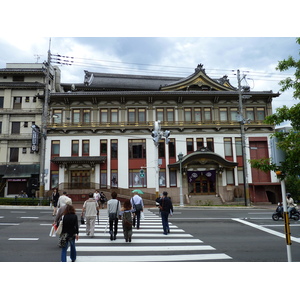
{"x":148,"y":244}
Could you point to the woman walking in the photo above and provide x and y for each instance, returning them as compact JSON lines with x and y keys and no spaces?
{"x":70,"y":227}
{"x":126,"y":213}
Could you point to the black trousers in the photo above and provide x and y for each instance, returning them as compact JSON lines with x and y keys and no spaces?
{"x":113,"y":226}
{"x":136,"y":219}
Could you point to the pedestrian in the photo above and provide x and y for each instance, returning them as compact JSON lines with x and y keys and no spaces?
{"x":126,"y":213}
{"x":91,"y":210}
{"x":290,"y":204}
{"x":102,"y":199}
{"x":60,"y":212}
{"x":96,"y":196}
{"x":70,"y":227}
{"x":166,"y":207}
{"x":138,"y":206}
{"x":55,"y":197}
{"x":62,"y":200}
{"x":113,"y":211}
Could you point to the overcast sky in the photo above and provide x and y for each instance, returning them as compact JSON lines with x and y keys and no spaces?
{"x":255,"y":57}
{"x":150,"y":39}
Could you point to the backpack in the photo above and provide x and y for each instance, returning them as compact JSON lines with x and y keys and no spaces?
{"x":127,"y":220}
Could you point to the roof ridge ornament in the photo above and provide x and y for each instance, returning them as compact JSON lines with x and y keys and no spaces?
{"x":200,"y":68}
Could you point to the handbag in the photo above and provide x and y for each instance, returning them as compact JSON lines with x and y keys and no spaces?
{"x":82,"y":220}
{"x":142,"y":215}
{"x":63,"y":240}
{"x":60,"y":226}
{"x":52,"y":231}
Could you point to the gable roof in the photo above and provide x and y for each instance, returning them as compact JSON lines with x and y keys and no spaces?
{"x":200,"y":80}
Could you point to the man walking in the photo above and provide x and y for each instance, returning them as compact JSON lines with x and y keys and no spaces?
{"x":63,"y":199}
{"x":138,"y":206}
{"x":91,"y":209}
{"x":113,"y":211}
{"x":166,"y":206}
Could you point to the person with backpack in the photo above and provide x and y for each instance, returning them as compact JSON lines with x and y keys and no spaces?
{"x":138,"y":206}
{"x":126,"y":213}
{"x":166,"y":207}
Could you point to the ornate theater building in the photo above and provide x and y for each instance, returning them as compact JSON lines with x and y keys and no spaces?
{"x":99,"y":136}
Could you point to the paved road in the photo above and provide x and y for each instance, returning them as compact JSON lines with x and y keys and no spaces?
{"x":197,"y":234}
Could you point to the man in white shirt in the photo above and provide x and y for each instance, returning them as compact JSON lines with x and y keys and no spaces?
{"x":91,"y":208}
{"x":138,"y":206}
{"x":63,"y":199}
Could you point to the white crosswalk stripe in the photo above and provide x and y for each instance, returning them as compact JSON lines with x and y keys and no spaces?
{"x":148,"y":244}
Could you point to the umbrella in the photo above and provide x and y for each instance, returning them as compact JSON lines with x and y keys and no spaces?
{"x":138,"y":191}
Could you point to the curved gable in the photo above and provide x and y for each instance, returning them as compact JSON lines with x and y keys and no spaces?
{"x":199,"y":81}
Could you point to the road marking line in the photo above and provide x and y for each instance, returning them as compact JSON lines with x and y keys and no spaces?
{"x":270,"y":231}
{"x":138,"y":241}
{"x":128,"y":248}
{"x":5,"y":224}
{"x":29,"y":217}
{"x":23,"y":239}
{"x":154,"y":258}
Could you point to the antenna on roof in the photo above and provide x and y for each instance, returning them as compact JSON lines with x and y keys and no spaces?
{"x":38,"y":56}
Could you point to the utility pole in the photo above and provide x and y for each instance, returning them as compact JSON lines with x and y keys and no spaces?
{"x":157,"y":135}
{"x":44,"y":126}
{"x":242,"y":123}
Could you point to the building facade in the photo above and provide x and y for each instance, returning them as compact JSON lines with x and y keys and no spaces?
{"x":22,"y":88}
{"x":99,"y":136}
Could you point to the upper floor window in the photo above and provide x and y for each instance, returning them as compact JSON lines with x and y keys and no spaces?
{"x":250,"y":113}
{"x":210,"y":144}
{"x":57,"y":116}
{"x":85,"y":147}
{"x":55,"y":148}
{"x":137,"y":148}
{"x":188,"y":115}
{"x":15,"y":127}
{"x":14,"y":155}
{"x":103,"y":147}
{"x":17,"y":102}
{"x":1,"y":101}
{"x":200,"y":143}
{"x":233,"y":114}
{"x":238,"y":146}
{"x":114,"y":148}
{"x":81,"y":116}
{"x":227,"y":147}
{"x":75,"y":148}
{"x":136,"y":115}
{"x":223,"y":114}
{"x":260,"y":113}
{"x":189,"y":146}
{"x":172,"y":149}
{"x":207,"y":114}
{"x":197,"y":114}
{"x":161,"y":149}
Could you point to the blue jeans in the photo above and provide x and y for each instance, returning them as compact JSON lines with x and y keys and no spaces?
{"x":165,"y":221}
{"x":72,"y":253}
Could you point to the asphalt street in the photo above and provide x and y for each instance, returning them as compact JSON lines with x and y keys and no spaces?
{"x":210,"y":234}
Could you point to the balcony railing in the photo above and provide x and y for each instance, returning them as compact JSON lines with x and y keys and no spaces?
{"x":149,"y":124}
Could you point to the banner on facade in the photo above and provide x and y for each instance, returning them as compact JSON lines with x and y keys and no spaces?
{"x":193,"y":175}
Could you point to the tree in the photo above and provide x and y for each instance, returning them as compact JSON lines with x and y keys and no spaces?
{"x":289,"y":142}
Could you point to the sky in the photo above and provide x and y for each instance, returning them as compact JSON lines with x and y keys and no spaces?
{"x":255,"y":57}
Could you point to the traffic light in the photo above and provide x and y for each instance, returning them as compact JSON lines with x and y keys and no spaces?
{"x":166,"y":135}
{"x":142,"y":173}
{"x":155,"y":137}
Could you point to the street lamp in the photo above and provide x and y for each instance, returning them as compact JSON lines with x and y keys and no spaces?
{"x":180,"y":157}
